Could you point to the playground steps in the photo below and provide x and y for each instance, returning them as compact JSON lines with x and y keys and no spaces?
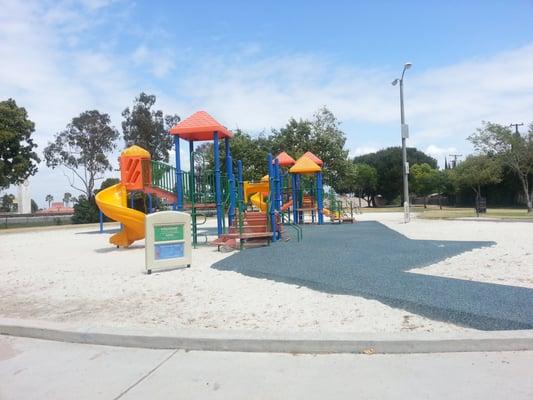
{"x":254,"y":232}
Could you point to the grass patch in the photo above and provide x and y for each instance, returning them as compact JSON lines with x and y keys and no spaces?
{"x":389,"y":209}
{"x":498,"y":213}
{"x":433,"y":212}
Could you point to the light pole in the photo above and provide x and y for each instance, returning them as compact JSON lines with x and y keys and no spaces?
{"x":405,"y":135}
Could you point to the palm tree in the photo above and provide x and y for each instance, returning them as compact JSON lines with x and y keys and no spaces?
{"x":49,"y":198}
{"x":67,"y":197}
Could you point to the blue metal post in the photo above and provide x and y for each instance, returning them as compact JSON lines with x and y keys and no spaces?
{"x":231,"y":182}
{"x":272,"y":204}
{"x":101,"y":220}
{"x":241,"y":183}
{"x":319,"y":201}
{"x":294,"y":199}
{"x":192,"y":193}
{"x":218,"y":188}
{"x":300,"y":204}
{"x":277,"y":186}
{"x":150,"y":203}
{"x":278,"y":178}
{"x":179,"y":183}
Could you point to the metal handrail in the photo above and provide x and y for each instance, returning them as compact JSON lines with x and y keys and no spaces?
{"x":297,"y":228}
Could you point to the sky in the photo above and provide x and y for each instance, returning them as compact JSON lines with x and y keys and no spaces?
{"x":253,"y":65}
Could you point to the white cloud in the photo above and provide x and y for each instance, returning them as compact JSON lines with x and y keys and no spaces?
{"x":359,"y":151}
{"x":52,"y":81}
{"x":441,"y":153}
{"x":443,"y":105}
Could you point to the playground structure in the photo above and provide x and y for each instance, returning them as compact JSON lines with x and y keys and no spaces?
{"x":247,"y":213}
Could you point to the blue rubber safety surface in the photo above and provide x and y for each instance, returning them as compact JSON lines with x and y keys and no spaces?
{"x":368,"y":259}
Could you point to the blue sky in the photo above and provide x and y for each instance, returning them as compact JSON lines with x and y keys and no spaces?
{"x":255,"y":64}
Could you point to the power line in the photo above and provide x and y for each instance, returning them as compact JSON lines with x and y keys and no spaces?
{"x":455,"y":156}
{"x":516,"y":127}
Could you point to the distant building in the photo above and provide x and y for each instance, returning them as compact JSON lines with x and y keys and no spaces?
{"x":57,"y":208}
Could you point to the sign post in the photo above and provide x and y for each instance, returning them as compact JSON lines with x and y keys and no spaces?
{"x":168,"y":240}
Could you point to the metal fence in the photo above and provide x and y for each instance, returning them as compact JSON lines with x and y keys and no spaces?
{"x":22,"y":220}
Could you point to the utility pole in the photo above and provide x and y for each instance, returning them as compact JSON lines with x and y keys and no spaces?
{"x":516,"y":127}
{"x":455,"y":156}
{"x":405,"y":136}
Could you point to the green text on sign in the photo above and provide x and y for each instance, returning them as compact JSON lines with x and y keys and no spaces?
{"x":165,"y":233}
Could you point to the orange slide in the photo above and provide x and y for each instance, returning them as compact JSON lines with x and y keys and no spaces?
{"x":286,"y":206}
{"x":328,"y":213}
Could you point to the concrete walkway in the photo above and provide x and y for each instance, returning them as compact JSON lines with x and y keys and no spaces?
{"x":38,"y":369}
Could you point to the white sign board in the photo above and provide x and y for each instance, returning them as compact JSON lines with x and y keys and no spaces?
{"x":168,"y":240}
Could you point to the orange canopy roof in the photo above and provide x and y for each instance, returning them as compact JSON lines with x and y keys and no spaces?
{"x":315,"y":159}
{"x":200,"y":126}
{"x":305,"y":165}
{"x":285,"y":160}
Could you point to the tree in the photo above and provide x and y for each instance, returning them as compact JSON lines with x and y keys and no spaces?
{"x":18,"y":161}
{"x":49,"y":198}
{"x":251,"y":151}
{"x":8,"y":202}
{"x":67,"y":197}
{"x":148,"y":128}
{"x":477,"y":171}
{"x":85,"y":211}
{"x":322,"y":136}
{"x":388,"y":164}
{"x":83,"y":149}
{"x":347,"y":183}
{"x":425,"y":180}
{"x":366,"y":182}
{"x":512,"y":148}
{"x":34,"y":206}
{"x":108,"y":183}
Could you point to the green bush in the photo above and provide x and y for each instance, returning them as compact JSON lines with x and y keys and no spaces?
{"x":85,"y":211}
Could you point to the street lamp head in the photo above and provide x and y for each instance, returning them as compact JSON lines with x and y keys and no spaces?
{"x":395,"y":82}
{"x":408,"y":65}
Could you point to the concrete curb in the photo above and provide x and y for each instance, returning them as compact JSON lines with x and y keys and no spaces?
{"x":248,"y":341}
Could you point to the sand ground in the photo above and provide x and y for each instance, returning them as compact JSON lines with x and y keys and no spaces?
{"x":73,"y":275}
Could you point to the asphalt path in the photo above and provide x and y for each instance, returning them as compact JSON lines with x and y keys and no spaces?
{"x":368,"y":259}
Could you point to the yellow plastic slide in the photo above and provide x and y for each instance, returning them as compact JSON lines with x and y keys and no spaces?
{"x":113,"y":201}
{"x":258,"y":201}
{"x":257,"y":188}
{"x":328,"y":213}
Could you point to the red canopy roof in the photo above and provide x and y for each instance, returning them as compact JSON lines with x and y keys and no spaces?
{"x":314,"y":158}
{"x":200,"y":126}
{"x":285,"y":160}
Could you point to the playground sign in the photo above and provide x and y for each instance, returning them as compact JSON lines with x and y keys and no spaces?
{"x":168,"y":240}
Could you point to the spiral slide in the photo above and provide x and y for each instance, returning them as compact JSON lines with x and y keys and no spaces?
{"x":112,"y":201}
{"x":258,"y":201}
